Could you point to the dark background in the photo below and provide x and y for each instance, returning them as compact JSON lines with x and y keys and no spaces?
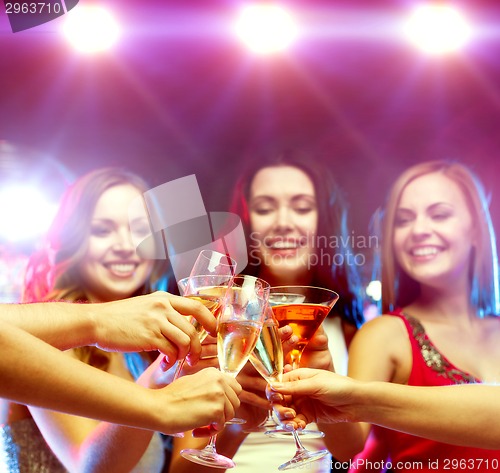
{"x":180,"y":95}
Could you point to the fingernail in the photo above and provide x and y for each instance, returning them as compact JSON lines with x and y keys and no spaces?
{"x":288,"y":426}
{"x":289,"y":415}
{"x":164,"y":364}
{"x":275,"y":397}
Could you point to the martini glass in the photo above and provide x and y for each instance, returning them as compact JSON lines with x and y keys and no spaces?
{"x":303,"y":308}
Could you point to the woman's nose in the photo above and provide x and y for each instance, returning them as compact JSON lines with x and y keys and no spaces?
{"x":283,"y":219}
{"x":421,"y":226}
{"x":123,"y":241}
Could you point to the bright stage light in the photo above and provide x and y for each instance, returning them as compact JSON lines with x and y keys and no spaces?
{"x":266,"y":29}
{"x":438,"y":29}
{"x":374,"y":290}
{"x":24,"y":213}
{"x":91,"y":29}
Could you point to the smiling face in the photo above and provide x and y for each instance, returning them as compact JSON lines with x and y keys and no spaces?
{"x":433,"y":232}
{"x":283,"y":220}
{"x":110,"y":268}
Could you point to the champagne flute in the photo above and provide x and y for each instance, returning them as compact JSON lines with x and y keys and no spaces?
{"x":210,"y":290}
{"x":238,"y":329}
{"x":267,"y":359}
{"x":303,"y":308}
{"x":213,"y":262}
{"x":208,"y":263}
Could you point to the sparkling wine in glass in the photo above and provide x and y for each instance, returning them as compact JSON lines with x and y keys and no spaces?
{"x":238,"y":329}
{"x":210,"y":290}
{"x":267,"y":359}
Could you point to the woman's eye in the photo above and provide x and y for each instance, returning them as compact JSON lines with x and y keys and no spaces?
{"x":100,"y":231}
{"x":440,"y":216}
{"x":401,"y":220}
{"x":303,"y":210}
{"x":263,"y":211}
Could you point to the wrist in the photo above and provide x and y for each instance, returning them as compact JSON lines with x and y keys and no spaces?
{"x":92,"y":329}
{"x":365,"y":400}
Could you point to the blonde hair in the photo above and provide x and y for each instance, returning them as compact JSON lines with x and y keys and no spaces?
{"x":398,"y":289}
{"x":52,"y":272}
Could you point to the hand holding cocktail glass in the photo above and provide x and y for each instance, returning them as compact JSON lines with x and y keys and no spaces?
{"x":238,"y":330}
{"x":210,"y":275}
{"x":303,"y":308}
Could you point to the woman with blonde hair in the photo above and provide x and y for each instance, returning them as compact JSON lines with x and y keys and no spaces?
{"x":89,"y":256}
{"x":440,"y":302}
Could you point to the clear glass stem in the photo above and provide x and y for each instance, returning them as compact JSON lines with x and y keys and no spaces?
{"x":269,"y":420}
{"x":211,"y":443}
{"x":209,"y":448}
{"x":180,"y":365}
{"x":298,"y":443}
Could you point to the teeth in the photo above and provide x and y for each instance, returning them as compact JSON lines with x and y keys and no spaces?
{"x":427,"y":251}
{"x":284,"y":245}
{"x":122,"y":268}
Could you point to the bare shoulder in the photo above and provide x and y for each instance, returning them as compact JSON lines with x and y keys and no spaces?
{"x":381,"y":350}
{"x":384,"y":327}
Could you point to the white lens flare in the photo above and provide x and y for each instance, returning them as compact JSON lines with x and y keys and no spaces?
{"x":91,"y":29}
{"x":438,"y":29}
{"x":266,"y":29}
{"x":24,"y":213}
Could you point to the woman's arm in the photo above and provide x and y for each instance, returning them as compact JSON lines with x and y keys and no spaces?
{"x":28,"y":376}
{"x":458,"y":414}
{"x":83,"y":444}
{"x":144,"y":323}
{"x":86,"y":445}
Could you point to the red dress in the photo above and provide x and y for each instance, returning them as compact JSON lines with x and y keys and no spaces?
{"x":411,"y":453}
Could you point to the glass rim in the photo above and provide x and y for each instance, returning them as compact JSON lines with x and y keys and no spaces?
{"x":256,"y":278}
{"x":323,"y":289}
{"x":198,"y":276}
{"x":229,"y":258}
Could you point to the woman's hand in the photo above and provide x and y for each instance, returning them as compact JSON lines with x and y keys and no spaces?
{"x":317,"y":354}
{"x":308,"y":395}
{"x":208,"y":397}
{"x":159,"y":374}
{"x":153,"y":322}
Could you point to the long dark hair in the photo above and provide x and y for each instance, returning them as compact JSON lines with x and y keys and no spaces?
{"x":332,"y":270}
